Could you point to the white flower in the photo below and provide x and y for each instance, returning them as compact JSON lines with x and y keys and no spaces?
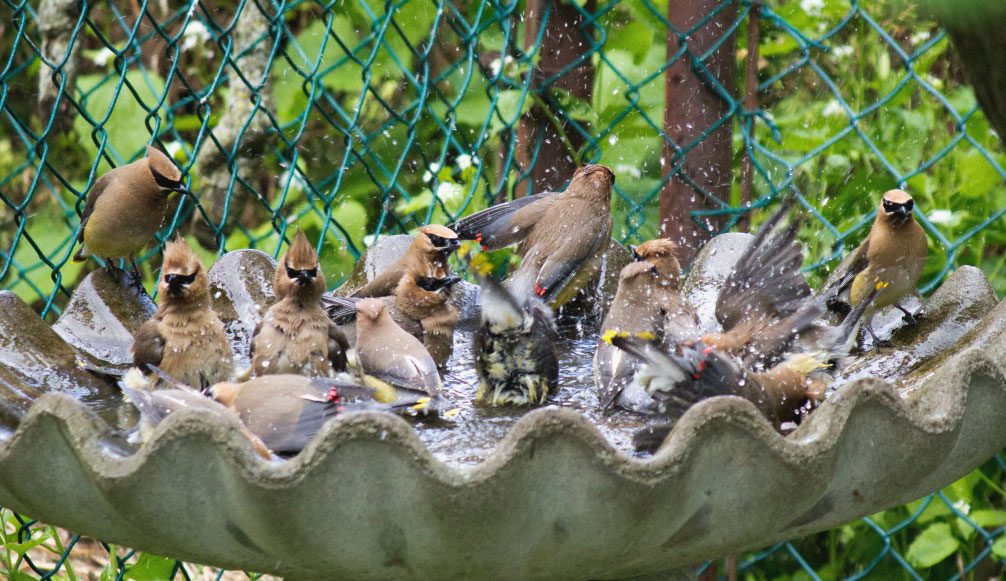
{"x":432,"y":171}
{"x":812,"y":7}
{"x":613,"y":139}
{"x":841,"y":52}
{"x":629,"y":170}
{"x":447,"y":191}
{"x":465,"y":161}
{"x":920,"y":37}
{"x":173,"y":148}
{"x":936,"y":82}
{"x":496,"y":65}
{"x":832,"y":109}
{"x":103,"y":56}
{"x":195,"y":34}
{"x":962,"y":507}
{"x":941,"y":216}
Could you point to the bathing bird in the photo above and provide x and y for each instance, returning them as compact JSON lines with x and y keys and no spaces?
{"x":562,"y":236}
{"x":894,"y":253}
{"x":184,"y":338}
{"x":296,"y":335}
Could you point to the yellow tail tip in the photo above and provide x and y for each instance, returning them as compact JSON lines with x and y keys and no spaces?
{"x":422,"y":404}
{"x":451,"y":413}
{"x":610,"y":335}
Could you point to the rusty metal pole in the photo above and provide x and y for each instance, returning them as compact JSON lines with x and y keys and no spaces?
{"x":692,"y":108}
{"x":564,"y":42}
{"x":750,"y":104}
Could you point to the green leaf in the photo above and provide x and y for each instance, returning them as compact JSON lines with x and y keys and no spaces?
{"x":51,"y":235}
{"x":999,"y":547}
{"x":934,"y":544}
{"x":126,"y":126}
{"x":150,"y":568}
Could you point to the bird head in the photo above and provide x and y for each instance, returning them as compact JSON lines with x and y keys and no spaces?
{"x":183,"y":277}
{"x":370,"y":310}
{"x":299,"y":273}
{"x":436,"y":241}
{"x":896,"y":207}
{"x":592,"y":179}
{"x":662,"y":253}
{"x":164,"y":171}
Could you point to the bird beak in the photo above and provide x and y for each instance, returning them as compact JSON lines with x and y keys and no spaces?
{"x":451,"y":281}
{"x":453,"y":243}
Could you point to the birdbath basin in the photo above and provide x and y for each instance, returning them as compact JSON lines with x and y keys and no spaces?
{"x":553,"y":492}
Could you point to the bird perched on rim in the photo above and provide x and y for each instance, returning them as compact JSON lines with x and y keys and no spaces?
{"x":296,"y":335}
{"x":156,"y":405}
{"x":562,"y":236}
{"x":421,"y":305}
{"x":893,"y":253}
{"x":184,"y":338}
{"x":515,"y":353}
{"x":387,"y":355}
{"x":784,"y":394}
{"x":766,"y":302}
{"x":648,"y":300}
{"x":426,"y":256}
{"x":126,"y":206}
{"x":286,"y":411}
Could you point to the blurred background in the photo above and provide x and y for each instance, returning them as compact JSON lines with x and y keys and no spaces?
{"x":355,"y":119}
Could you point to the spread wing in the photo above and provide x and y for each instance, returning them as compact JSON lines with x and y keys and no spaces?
{"x":504,"y":224}
{"x":561,"y":266}
{"x":148,"y":346}
{"x":341,"y":310}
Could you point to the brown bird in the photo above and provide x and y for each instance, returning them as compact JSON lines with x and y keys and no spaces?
{"x":296,"y":335}
{"x":387,"y":354}
{"x":562,"y":236}
{"x":784,"y":393}
{"x":184,"y":338}
{"x":426,"y":256}
{"x":647,"y":301}
{"x":286,"y":411}
{"x":763,"y":305}
{"x":126,"y":206}
{"x":894,"y":253}
{"x":156,"y":405}
{"x":421,"y":306}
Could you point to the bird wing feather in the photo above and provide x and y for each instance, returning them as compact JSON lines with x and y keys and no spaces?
{"x":504,"y":224}
{"x":148,"y":345}
{"x":92,"y":197}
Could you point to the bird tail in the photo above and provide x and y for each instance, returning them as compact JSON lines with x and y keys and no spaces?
{"x":341,"y":310}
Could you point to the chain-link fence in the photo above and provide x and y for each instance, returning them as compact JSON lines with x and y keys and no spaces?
{"x":357,"y":118}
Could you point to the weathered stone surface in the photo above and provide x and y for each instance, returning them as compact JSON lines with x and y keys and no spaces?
{"x":102,"y":316}
{"x":241,"y":291}
{"x":35,"y":360}
{"x":379,"y":256}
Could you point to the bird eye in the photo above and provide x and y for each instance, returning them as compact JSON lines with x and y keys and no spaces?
{"x":438,"y":241}
{"x":888,"y":206}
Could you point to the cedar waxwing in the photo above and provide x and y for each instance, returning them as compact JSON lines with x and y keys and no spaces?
{"x":763,"y":305}
{"x":184,"y":338}
{"x":515,"y":353}
{"x":783,"y":393}
{"x":286,"y":411}
{"x":894,"y":253}
{"x":647,"y":301}
{"x":421,"y":306}
{"x":296,"y":335}
{"x":387,"y":354}
{"x":155,"y":405}
{"x":126,"y":206}
{"x":427,"y":256}
{"x":562,"y":236}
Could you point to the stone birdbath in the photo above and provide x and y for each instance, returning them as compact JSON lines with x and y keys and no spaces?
{"x":553,"y":492}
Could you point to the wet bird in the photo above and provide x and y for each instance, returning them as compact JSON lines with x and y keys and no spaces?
{"x":296,"y":335}
{"x":515,"y":354}
{"x":126,"y":206}
{"x":421,"y":305}
{"x":894,"y":253}
{"x":784,"y":394}
{"x":648,"y":301}
{"x":765,"y":302}
{"x":562,"y":236}
{"x":426,"y":256}
{"x":286,"y":411}
{"x":387,"y":355}
{"x":156,"y":405}
{"x":184,"y":338}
